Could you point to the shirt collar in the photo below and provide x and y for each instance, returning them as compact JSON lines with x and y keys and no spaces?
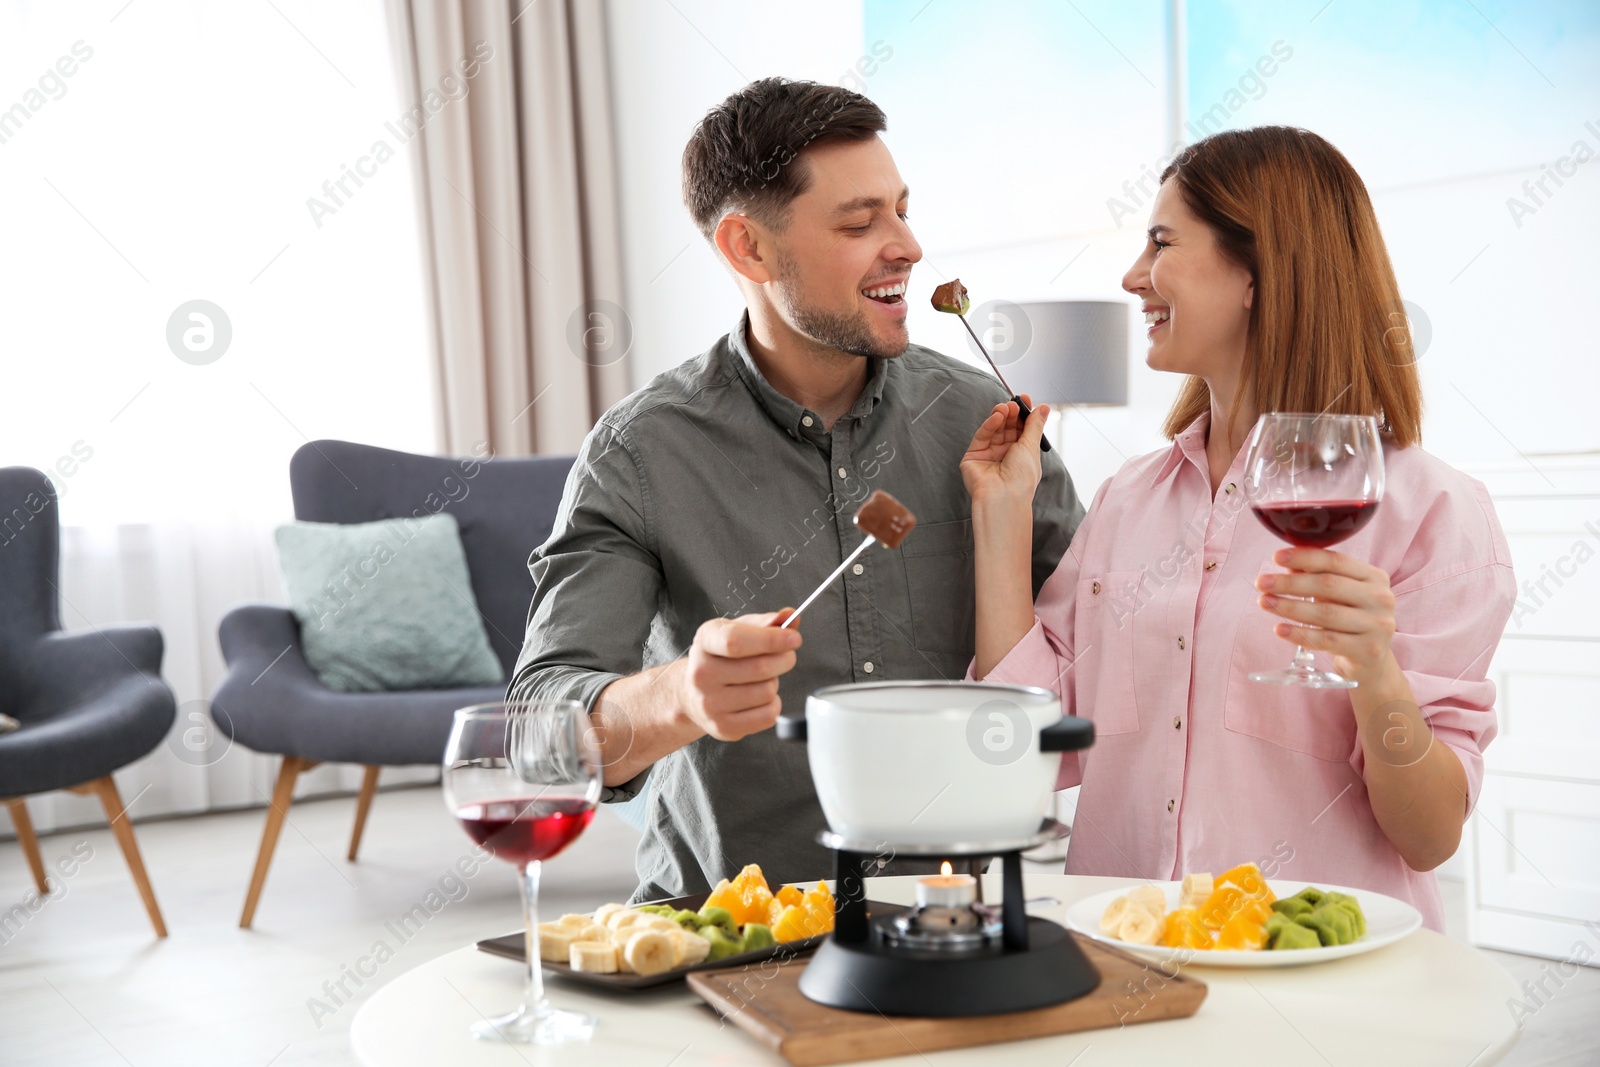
{"x":1189,"y":444}
{"x":789,"y":415}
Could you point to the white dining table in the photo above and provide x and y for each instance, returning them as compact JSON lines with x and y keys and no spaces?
{"x":1424,"y":1000}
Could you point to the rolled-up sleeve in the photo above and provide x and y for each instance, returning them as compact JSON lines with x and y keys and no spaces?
{"x":597,"y":585}
{"x":1446,"y":632}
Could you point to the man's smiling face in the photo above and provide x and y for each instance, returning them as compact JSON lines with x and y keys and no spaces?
{"x":845,"y":251}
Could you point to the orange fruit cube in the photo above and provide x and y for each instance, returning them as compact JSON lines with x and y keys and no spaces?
{"x":1220,"y":906}
{"x":1241,"y":933}
{"x":749,"y":878}
{"x":818,"y":904}
{"x":795,"y":924}
{"x":1185,"y":929}
{"x":1247,"y":876}
{"x":789,"y":894}
{"x":723,"y":895}
{"x":747,"y":897}
{"x":1255,"y":911}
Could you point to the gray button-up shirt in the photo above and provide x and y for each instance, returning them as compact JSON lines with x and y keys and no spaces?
{"x":708,"y":493}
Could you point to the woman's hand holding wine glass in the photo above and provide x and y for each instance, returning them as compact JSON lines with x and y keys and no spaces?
{"x":1315,"y":480}
{"x":1336,"y":604}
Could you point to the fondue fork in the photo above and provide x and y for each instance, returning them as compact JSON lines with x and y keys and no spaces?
{"x":951,"y":298}
{"x":885,"y":520}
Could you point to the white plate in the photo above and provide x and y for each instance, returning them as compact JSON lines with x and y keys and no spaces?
{"x":1388,"y":920}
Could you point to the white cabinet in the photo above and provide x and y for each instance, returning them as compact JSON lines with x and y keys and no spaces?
{"x":1533,"y":844}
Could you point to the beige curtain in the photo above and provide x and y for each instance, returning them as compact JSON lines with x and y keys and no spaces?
{"x":509,"y":130}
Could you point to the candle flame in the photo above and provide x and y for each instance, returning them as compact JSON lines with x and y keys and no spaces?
{"x":945,"y":868}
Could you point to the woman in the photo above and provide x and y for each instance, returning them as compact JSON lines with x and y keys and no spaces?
{"x":1266,"y":281}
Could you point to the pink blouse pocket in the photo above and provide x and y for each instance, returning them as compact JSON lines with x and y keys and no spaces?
{"x":1317,"y":722}
{"x":1102,"y":673}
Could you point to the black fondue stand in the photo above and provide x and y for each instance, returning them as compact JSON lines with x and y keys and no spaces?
{"x":863,"y":966}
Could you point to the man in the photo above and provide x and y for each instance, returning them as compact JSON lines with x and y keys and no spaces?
{"x":724,"y":490}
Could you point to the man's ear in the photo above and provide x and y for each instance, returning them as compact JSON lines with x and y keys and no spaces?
{"x":746,"y":246}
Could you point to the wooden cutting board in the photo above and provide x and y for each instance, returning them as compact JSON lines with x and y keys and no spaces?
{"x":772,"y":1009}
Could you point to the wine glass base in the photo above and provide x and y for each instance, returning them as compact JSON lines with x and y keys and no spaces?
{"x":549,"y":1027}
{"x":1306,"y":677}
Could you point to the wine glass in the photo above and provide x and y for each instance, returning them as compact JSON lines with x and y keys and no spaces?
{"x":524,"y":780}
{"x":1313,"y":480}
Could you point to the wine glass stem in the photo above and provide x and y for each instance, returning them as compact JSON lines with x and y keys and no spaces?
{"x":1303,"y":659}
{"x":533,"y":1001}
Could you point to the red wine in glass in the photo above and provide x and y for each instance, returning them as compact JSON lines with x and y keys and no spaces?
{"x":1313,"y":480}
{"x":524,"y":779}
{"x":1316,"y":523}
{"x":522,"y":831}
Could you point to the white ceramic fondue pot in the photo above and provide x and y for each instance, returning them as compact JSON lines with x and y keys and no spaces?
{"x":934,"y":763}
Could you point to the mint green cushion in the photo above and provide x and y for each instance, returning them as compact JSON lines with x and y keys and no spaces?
{"x":386,"y":605}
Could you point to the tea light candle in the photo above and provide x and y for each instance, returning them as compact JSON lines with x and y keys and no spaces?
{"x":946,"y":891}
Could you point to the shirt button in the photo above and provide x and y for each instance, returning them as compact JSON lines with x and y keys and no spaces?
{"x":867,"y":666}
{"x":1231,"y":487}
{"x":1181,"y":645}
{"x":1177,"y":722}
{"x":1095,"y":589}
{"x":1170,"y":803}
{"x":1211,"y":564}
{"x":843,"y":473}
{"x":857,"y":569}
{"x":806,"y":420}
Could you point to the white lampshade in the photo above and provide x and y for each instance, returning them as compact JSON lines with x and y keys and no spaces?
{"x":1058,"y":351}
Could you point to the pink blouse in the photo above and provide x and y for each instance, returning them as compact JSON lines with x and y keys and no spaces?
{"x":1150,"y":627}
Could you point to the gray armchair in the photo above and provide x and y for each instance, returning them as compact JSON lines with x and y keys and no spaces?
{"x":89,"y":702}
{"x":271,"y":701}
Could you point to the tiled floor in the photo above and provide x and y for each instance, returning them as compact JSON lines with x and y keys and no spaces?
{"x":83,"y":982}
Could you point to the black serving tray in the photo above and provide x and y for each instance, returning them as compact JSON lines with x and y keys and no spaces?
{"x":511,"y":946}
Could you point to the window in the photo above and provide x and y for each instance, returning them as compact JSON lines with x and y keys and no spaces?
{"x":155,"y":154}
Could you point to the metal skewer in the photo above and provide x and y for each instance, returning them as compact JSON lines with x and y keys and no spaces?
{"x":1016,"y":397}
{"x":819,"y":590}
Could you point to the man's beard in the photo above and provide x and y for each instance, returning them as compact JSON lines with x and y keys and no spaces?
{"x":849,"y":332}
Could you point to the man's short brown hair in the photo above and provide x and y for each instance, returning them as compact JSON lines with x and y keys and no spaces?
{"x":745,"y":155}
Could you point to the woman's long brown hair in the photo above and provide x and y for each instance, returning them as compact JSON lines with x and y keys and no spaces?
{"x":1327,"y":331}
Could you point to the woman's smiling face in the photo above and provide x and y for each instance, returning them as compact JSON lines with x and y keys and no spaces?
{"x":1196,"y":300}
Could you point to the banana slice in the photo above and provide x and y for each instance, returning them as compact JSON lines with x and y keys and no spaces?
{"x":574,"y":922}
{"x":1152,"y":899}
{"x":1196,"y":888}
{"x":592,"y":932}
{"x":555,"y":942}
{"x":1141,"y":927}
{"x":593,"y":957}
{"x":1111,"y":921}
{"x":647,"y":921}
{"x":651,"y":952}
{"x":605,"y":911}
{"x":619,"y":921}
{"x":690,"y":948}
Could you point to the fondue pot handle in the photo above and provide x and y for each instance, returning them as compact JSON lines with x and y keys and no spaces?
{"x":1067,"y":735}
{"x":791,"y":727}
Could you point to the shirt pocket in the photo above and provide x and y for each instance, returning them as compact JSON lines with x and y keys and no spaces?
{"x":1103,"y":646}
{"x":1316,"y":722}
{"x":939,"y":582}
